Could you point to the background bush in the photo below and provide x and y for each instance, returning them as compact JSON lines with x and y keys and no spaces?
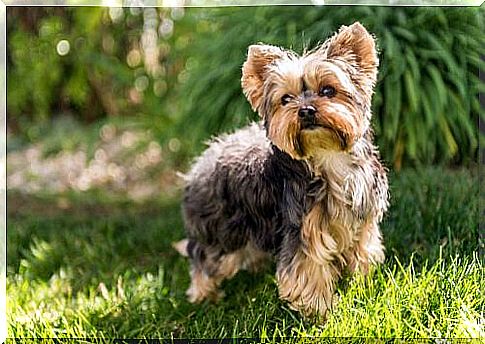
{"x":120,"y":63}
{"x":426,"y":105}
{"x":174,"y":69}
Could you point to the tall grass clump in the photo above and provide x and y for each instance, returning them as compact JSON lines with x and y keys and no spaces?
{"x":426,"y":105}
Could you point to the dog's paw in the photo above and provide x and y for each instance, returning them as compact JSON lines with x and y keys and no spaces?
{"x":197,"y":296}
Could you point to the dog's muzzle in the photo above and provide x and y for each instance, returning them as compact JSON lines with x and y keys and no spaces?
{"x":307,"y":116}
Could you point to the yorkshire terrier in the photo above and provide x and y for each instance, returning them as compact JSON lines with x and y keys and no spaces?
{"x":304,"y":186}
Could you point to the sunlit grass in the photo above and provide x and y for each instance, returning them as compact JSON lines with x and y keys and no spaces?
{"x":104,"y":268}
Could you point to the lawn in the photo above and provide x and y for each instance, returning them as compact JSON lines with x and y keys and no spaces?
{"x":99,"y":128}
{"x":96,"y":264}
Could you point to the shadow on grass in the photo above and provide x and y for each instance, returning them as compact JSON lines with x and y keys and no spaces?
{"x":95,"y":235}
{"x":431,"y":210}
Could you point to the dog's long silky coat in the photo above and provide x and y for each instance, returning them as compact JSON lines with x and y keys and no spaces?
{"x":304,"y":186}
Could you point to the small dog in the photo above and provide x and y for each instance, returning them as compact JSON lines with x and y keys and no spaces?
{"x":304,"y":186}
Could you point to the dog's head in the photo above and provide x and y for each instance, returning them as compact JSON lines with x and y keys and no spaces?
{"x":316,"y":102}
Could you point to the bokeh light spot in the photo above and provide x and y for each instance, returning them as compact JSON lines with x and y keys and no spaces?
{"x":166,"y":28}
{"x":174,"y":145}
{"x":141,"y":83}
{"x":107,"y":132}
{"x":63,"y":47}
{"x":134,"y":58}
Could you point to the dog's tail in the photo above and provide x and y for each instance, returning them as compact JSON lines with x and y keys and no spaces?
{"x":181,"y":247}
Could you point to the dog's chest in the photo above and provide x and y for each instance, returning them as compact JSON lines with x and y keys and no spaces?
{"x":338,"y":206}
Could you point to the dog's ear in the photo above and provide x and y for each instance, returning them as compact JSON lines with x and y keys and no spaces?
{"x":356,"y":46}
{"x":254,"y":70}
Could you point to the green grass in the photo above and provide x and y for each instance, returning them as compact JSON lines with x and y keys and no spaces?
{"x":104,"y":267}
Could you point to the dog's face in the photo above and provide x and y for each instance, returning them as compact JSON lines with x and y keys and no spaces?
{"x":316,"y":102}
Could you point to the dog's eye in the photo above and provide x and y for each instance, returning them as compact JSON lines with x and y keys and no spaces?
{"x":327,"y":91}
{"x":285,"y":99}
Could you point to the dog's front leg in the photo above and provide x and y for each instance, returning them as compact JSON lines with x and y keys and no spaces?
{"x":307,"y":285}
{"x":368,"y":250}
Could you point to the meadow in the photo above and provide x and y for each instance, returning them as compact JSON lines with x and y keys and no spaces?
{"x":106,"y":105}
{"x":95,"y":264}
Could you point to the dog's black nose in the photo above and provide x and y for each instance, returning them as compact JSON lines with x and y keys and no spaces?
{"x":307,"y":112}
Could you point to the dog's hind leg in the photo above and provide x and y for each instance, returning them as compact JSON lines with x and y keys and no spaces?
{"x":208,"y":269}
{"x":202,"y":286}
{"x":253,"y":259}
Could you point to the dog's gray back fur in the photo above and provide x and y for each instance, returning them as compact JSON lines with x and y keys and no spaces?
{"x":241,"y":189}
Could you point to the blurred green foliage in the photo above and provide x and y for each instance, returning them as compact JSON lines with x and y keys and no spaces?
{"x":426,"y":105}
{"x":174,"y":70}
{"x":90,"y":63}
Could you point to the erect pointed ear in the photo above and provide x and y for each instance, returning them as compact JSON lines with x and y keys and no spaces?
{"x":260,"y":56}
{"x":356,"y":46}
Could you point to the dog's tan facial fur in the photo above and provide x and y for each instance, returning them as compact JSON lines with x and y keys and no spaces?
{"x":347,"y":62}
